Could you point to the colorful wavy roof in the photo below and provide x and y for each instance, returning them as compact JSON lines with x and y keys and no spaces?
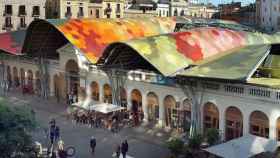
{"x":195,"y":47}
{"x":155,"y":41}
{"x":92,"y":36}
{"x":12,"y":42}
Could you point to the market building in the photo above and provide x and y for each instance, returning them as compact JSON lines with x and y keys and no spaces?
{"x":174,"y":79}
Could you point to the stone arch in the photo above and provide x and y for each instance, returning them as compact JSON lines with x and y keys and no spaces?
{"x":233,"y":123}
{"x":94,"y":91}
{"x":107,"y":94}
{"x":278,"y":128}
{"x":169,"y":106}
{"x":259,"y":124}
{"x":210,"y":116}
{"x":15,"y":76}
{"x":184,"y":115}
{"x":72,"y":78}
{"x":153,"y":107}
{"x":136,"y":102}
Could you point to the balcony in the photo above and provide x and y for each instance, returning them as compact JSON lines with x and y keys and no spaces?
{"x":80,"y":14}
{"x":20,"y":14}
{"x":7,"y":27}
{"x":22,"y":26}
{"x":68,"y":15}
{"x":7,"y":14}
{"x":118,"y":12}
{"x":36,"y":15}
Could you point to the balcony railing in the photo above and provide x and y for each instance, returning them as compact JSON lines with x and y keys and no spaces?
{"x":7,"y":14}
{"x":22,"y":13}
{"x":7,"y":27}
{"x":22,"y":26}
{"x":35,"y":14}
{"x":68,"y":14}
{"x":80,"y":14}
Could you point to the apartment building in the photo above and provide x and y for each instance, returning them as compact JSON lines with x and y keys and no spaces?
{"x":18,"y":14}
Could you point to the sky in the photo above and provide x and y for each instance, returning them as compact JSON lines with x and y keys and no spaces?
{"x":216,"y":2}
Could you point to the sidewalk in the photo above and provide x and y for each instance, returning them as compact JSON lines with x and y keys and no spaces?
{"x":154,"y":136}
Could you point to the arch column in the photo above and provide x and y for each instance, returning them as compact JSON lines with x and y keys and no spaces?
{"x":161,"y":111}
{"x":145,"y":107}
{"x":222,"y":122}
{"x":272,"y":128}
{"x":101,"y":92}
{"x":246,"y":123}
{"x":129,"y":99}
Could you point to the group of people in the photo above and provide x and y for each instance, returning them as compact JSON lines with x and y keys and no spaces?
{"x":97,"y":120}
{"x":120,"y":148}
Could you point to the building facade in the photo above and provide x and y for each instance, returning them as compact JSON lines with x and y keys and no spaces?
{"x":106,"y":9}
{"x":178,"y":8}
{"x":269,"y":15}
{"x":18,"y":14}
{"x":202,"y":11}
{"x":234,"y":109}
{"x":61,"y":9}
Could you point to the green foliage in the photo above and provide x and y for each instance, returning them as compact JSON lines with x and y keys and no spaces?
{"x":15,"y":127}
{"x":195,"y":141}
{"x":212,"y":136}
{"x":175,"y":146}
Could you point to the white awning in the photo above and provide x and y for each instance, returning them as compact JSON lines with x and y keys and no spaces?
{"x":243,"y":147}
{"x":105,"y":108}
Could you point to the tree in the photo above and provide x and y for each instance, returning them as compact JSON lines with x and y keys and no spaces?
{"x":16,"y":125}
{"x":175,"y":146}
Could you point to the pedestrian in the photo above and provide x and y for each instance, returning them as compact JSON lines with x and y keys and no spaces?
{"x":92,"y":144}
{"x":70,"y":98}
{"x":118,"y":151}
{"x":57,"y":133}
{"x":124,"y":148}
{"x":52,"y":135}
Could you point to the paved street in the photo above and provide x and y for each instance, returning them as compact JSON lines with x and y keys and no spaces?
{"x":143,"y":142}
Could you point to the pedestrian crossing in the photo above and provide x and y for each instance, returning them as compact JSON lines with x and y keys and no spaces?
{"x":127,"y":156}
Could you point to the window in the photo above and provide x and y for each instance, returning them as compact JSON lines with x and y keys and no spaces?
{"x":159,"y":13}
{"x":68,"y":12}
{"x":183,"y":13}
{"x":90,"y":12}
{"x":118,"y":8}
{"x":175,"y":12}
{"x":8,"y":10}
{"x":68,"y":9}
{"x":21,"y":10}
{"x":81,"y":12}
{"x":97,"y":13}
{"x":36,"y":11}
{"x":8,"y":23}
{"x":22,"y":22}
{"x":108,"y":10}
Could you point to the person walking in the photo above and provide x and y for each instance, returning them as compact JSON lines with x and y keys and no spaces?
{"x":118,"y":151}
{"x":52,"y":135}
{"x":92,"y":144}
{"x":124,"y":148}
{"x":56,"y":133}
